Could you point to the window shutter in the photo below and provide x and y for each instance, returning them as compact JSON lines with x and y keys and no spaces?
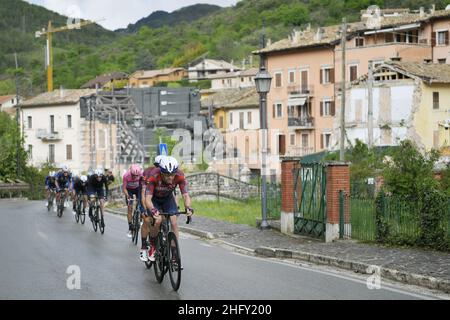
{"x":332,"y":75}
{"x":333,"y":109}
{"x":433,"y":39}
{"x":273,"y":111}
{"x":446,"y":37}
{"x":321,"y":141}
{"x":321,"y":108}
{"x":321,"y":76}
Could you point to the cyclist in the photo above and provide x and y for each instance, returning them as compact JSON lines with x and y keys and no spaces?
{"x":109,"y":176}
{"x":50,"y":185}
{"x":80,"y":187}
{"x":159,"y":185}
{"x":63,"y":182}
{"x":95,"y":188}
{"x":132,"y":183}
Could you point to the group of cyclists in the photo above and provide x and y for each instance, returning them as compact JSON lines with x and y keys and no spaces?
{"x":153,"y":188}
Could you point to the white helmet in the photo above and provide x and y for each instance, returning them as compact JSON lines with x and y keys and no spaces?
{"x":158,"y":160}
{"x":98,"y":172}
{"x":65,"y":168}
{"x":168,"y":164}
{"x":83,"y":178}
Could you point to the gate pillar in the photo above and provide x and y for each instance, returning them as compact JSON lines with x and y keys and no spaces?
{"x":338,"y":178}
{"x":288,"y":165}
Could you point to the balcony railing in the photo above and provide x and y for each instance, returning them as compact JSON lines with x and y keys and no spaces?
{"x":300,"y":151}
{"x":298,"y":89}
{"x":48,"y":136}
{"x":307,"y":123}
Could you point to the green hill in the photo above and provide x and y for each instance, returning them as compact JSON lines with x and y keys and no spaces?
{"x":227,"y":33}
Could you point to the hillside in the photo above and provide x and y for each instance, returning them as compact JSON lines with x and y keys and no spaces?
{"x":230,"y":33}
{"x":159,"y":19}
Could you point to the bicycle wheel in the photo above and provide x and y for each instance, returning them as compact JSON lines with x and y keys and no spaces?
{"x":77,"y":211}
{"x":95,"y":219}
{"x":101,"y":222}
{"x":82,"y":215}
{"x":50,"y":202}
{"x":60,"y":207}
{"x":159,"y":258}
{"x":136,"y":227}
{"x":174,"y":261}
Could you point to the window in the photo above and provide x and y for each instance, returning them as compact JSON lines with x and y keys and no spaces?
{"x":327,"y":76}
{"x":327,"y":108}
{"x":30,"y":122}
{"x":281,"y":144}
{"x":291,"y":110}
{"x":69,"y":152}
{"x":30,"y":152}
{"x":291,"y":76}
{"x":52,"y":123}
{"x":304,"y":140}
{"x":442,"y":38}
{"x":292,"y":139}
{"x":278,"y":80}
{"x":220,"y":122}
{"x":442,"y":61}
{"x":277,"y":110}
{"x":51,"y":153}
{"x":102,"y":139}
{"x":231,"y":118}
{"x":144,"y":82}
{"x":435,"y":100}
{"x":241,"y":120}
{"x":359,"y":42}
{"x":304,"y":75}
{"x":249,"y":117}
{"x":353,"y":73}
{"x":69,"y":121}
{"x":325,"y":140}
{"x":242,"y":79}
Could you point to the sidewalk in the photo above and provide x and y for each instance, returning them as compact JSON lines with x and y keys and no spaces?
{"x":412,"y":266}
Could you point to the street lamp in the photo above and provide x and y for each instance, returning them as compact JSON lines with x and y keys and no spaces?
{"x":262,"y":83}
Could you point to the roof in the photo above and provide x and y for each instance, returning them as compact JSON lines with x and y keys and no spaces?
{"x":232,"y":98}
{"x":221,"y":64}
{"x":6,"y":98}
{"x":104,"y":79}
{"x":427,"y":72}
{"x":330,"y":35}
{"x":58,"y":97}
{"x":140,"y":74}
{"x":244,"y":73}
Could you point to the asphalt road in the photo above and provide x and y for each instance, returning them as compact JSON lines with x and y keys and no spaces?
{"x":37,"y":248}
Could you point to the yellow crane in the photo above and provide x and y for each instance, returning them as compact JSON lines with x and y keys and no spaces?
{"x":49,"y":51}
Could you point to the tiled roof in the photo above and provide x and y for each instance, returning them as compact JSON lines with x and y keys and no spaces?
{"x":329,"y":35}
{"x":58,"y":97}
{"x":6,"y":98}
{"x":244,"y":73}
{"x":105,"y":78}
{"x":140,"y":74}
{"x":232,"y":98}
{"x":221,"y":64}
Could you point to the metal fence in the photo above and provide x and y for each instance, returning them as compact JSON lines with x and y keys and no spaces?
{"x":273,"y":201}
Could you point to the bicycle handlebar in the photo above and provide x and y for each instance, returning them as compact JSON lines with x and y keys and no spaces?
{"x":188,"y":220}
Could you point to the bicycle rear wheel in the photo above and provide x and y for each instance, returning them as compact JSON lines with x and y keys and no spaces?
{"x":136,"y":227}
{"x":174,"y":261}
{"x":77,"y":211}
{"x":159,"y":258}
{"x":82,"y":214}
{"x":101,"y":222}
{"x":60,"y":207}
{"x":95,"y":219}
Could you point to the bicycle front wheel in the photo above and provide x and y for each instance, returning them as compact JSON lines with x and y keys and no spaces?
{"x":95,"y":219}
{"x":174,"y":261}
{"x":160,"y":257}
{"x":101,"y":222}
{"x":136,"y":227}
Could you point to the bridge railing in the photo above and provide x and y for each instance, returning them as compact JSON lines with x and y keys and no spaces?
{"x":13,"y":188}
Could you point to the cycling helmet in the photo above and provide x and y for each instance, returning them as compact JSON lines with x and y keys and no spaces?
{"x":98,"y":172}
{"x":135,"y":170}
{"x":158,"y":160}
{"x":64,"y":168}
{"x":168,"y":165}
{"x":83,"y":178}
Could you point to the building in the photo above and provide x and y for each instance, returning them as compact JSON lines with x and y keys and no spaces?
{"x":236,"y":79}
{"x":209,"y":67}
{"x":236,"y":116}
{"x":304,"y":100}
{"x":107,"y":81}
{"x":55,"y":132}
{"x":148,"y":78}
{"x":410,"y":101}
{"x":8,"y":102}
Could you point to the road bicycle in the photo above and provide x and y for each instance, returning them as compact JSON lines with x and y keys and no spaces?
{"x":79,"y":214}
{"x":50,"y":199}
{"x":135,"y":221}
{"x":62,"y":200}
{"x":167,"y":254}
{"x":97,"y":218}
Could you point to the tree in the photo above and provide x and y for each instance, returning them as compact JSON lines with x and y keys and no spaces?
{"x":144,"y":60}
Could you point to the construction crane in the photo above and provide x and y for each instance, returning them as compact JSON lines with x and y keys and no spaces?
{"x":49,"y":50}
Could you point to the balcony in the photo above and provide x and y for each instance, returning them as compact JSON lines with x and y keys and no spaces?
{"x":300,"y":90}
{"x":48,"y":136}
{"x":301,"y":123}
{"x":300,"y":151}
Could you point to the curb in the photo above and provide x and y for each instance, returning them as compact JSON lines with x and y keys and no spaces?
{"x":359,"y":267}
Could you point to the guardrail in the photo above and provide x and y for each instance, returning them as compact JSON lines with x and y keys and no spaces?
{"x":13,"y":188}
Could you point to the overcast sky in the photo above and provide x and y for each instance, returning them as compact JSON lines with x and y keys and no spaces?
{"x":119,"y":13}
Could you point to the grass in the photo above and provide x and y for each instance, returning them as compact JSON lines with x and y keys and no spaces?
{"x":231,"y":211}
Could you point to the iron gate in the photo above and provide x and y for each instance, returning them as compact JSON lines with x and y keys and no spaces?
{"x":310,"y":200}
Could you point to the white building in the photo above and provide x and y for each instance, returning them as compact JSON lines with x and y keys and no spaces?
{"x":208,"y":67}
{"x":55,"y":132}
{"x":7,"y":102}
{"x":237,"y":79}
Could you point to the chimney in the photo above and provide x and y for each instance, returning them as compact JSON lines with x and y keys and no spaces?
{"x":422,"y":12}
{"x":319,"y":34}
{"x":269,"y":42}
{"x":397,"y":58}
{"x":433,"y":8}
{"x":61,"y":92}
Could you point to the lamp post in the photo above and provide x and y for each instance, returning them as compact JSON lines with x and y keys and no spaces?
{"x":262,"y":83}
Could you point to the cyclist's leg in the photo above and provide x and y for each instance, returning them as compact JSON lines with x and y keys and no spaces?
{"x":101,"y":197}
{"x":74,"y":199}
{"x":170,"y":207}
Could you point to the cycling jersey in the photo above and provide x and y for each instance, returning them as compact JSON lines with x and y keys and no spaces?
{"x":96,"y":187}
{"x":79,"y":187}
{"x":63,"y":181}
{"x":131,"y":183}
{"x":158,"y":188}
{"x":50,"y":182}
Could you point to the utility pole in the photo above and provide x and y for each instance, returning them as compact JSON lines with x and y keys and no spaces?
{"x":370,"y":105}
{"x":343,"y":44}
{"x":17,"y":116}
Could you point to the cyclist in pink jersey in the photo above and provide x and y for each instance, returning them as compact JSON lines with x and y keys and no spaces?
{"x":132,"y":184}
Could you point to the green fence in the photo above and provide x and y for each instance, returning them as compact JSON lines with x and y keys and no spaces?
{"x":273,"y":201}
